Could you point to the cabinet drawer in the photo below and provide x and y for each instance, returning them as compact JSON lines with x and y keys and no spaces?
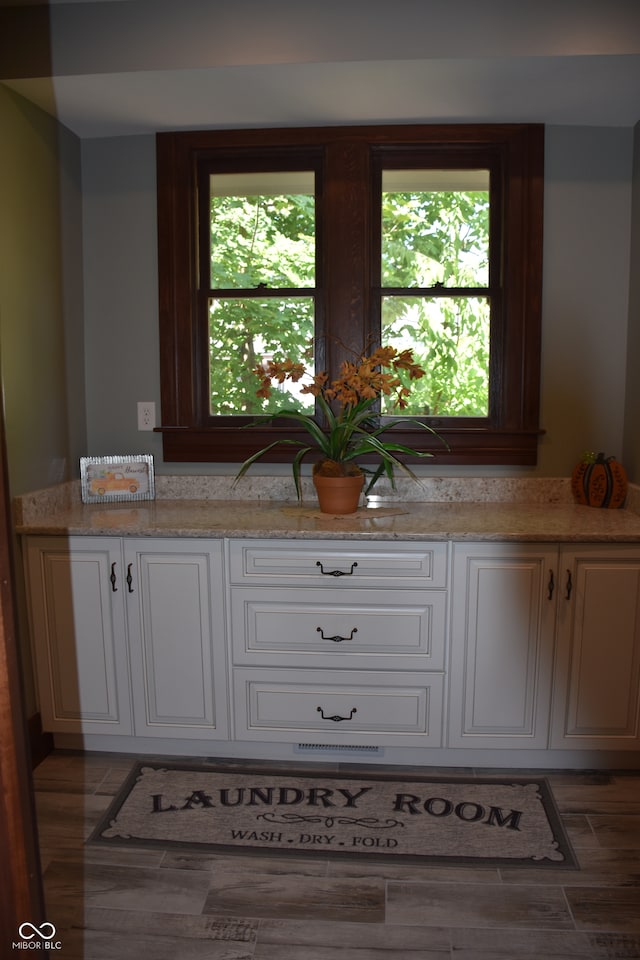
{"x":385,"y":629}
{"x":339,"y":564}
{"x":339,"y":707}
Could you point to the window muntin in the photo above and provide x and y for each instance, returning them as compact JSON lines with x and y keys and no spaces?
{"x":349,"y":301}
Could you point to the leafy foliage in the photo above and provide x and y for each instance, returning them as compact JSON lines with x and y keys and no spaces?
{"x":349,"y":406}
{"x":430,"y":239}
{"x":439,"y":238}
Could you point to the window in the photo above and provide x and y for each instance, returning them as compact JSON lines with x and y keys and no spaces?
{"x":320,"y":244}
{"x":434,"y":284}
{"x":258,"y":263}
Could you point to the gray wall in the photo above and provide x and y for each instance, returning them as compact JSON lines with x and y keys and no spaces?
{"x":121,"y":296}
{"x":586,"y":290}
{"x":585,"y":301}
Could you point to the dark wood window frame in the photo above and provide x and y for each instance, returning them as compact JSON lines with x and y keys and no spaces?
{"x":347,"y":298}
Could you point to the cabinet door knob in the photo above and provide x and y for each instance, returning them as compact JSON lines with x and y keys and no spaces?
{"x":129,"y":578}
{"x":335,"y":717}
{"x":113,"y":578}
{"x":336,"y":573}
{"x":337,"y":638}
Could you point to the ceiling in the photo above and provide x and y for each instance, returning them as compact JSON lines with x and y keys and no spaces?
{"x":126,"y":67}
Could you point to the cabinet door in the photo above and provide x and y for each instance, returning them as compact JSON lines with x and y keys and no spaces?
{"x":597,"y":682}
{"x":503,"y":614}
{"x":175,"y":612}
{"x":78,"y":630}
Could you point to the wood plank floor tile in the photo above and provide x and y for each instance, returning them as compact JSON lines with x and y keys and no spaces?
{"x":617,"y":831}
{"x":189,"y":926}
{"x":598,"y":867}
{"x":493,"y":944}
{"x":295,"y":897}
{"x":266,"y":951}
{"x":478,"y":905}
{"x":71,"y":784}
{"x":112,"y":781}
{"x":68,"y":814}
{"x":613,"y":909}
{"x":244,"y":863}
{"x":579,"y":778}
{"x":619,"y":796}
{"x":124,"y":856}
{"x":579,"y":830}
{"x":127,"y":935}
{"x":355,"y":939}
{"x":79,"y":772}
{"x":106,"y":946}
{"x":457,"y":873}
{"x":126,"y":887}
{"x":614,"y":946}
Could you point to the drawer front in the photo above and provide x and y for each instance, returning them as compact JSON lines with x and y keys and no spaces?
{"x":339,"y":707}
{"x":339,"y":564}
{"x":385,"y":629}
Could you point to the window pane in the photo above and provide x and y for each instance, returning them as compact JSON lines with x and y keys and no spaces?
{"x":246,"y":332}
{"x":435,"y":228}
{"x":262,"y":230}
{"x":449,"y":337}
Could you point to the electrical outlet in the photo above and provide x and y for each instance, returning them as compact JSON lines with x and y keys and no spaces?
{"x":146,"y":415}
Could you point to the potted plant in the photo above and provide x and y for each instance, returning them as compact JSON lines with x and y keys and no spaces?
{"x":350,"y":406}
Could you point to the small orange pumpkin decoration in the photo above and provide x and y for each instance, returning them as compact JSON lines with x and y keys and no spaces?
{"x":599,"y":481}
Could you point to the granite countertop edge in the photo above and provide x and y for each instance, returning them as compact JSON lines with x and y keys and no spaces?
{"x":540,"y":513}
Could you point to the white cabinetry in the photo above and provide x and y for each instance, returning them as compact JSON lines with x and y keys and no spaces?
{"x":260,"y":644}
{"x":129,"y":636}
{"x":338,"y":642}
{"x":76,"y":605}
{"x":177,"y":638}
{"x":597,"y":670}
{"x":503,"y":618}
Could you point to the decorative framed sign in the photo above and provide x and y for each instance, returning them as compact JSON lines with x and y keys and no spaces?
{"x":106,"y":479}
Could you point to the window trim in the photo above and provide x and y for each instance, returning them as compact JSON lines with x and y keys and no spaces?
{"x":511,"y":437}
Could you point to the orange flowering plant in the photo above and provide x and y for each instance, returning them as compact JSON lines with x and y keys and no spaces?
{"x":349,"y":405}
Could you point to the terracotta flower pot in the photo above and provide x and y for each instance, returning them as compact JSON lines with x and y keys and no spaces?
{"x":338,"y":495}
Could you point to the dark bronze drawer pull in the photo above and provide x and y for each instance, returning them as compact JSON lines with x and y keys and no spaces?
{"x":129,"y":578}
{"x":336,"y":573}
{"x":337,"y":638}
{"x":569,"y":585}
{"x":113,"y":578}
{"x":336,"y":718}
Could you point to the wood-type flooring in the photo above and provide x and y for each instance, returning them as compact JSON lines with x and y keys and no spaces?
{"x":154,"y":904}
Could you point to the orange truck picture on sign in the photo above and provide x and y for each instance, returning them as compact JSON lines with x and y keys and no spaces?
{"x":112,"y":482}
{"x":117,"y":478}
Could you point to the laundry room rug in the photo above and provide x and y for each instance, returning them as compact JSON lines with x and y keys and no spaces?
{"x":402,"y":817}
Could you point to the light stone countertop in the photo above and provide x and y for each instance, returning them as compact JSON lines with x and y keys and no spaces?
{"x":542,"y":512}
